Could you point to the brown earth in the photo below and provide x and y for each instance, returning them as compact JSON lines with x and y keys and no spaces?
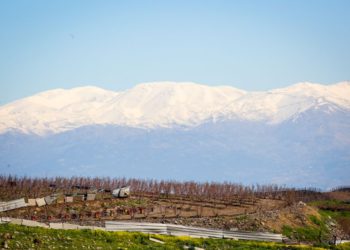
{"x":257,"y":214}
{"x":341,"y":196}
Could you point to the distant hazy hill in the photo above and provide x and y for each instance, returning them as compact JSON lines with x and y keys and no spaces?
{"x":298,"y":135}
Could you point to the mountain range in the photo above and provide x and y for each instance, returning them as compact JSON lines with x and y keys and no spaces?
{"x":298,"y":135}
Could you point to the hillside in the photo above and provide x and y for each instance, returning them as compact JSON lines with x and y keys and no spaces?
{"x":305,"y":216}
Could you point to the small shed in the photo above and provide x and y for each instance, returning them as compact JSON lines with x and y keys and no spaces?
{"x":121,"y":192}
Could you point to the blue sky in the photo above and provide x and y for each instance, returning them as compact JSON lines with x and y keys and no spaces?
{"x":253,"y":45}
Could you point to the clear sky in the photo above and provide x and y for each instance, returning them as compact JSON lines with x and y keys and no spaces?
{"x":252,"y":45}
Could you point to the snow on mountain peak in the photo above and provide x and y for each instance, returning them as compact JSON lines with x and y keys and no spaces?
{"x":164,"y":104}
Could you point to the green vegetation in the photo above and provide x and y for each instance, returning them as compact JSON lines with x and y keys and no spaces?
{"x":307,"y":234}
{"x":317,"y":233}
{"x":130,"y":202}
{"x":21,"y":237}
{"x":337,"y":210}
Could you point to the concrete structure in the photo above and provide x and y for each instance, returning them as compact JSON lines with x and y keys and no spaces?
{"x":50,"y":199}
{"x":40,"y":202}
{"x":16,"y":221}
{"x":56,"y":225}
{"x":177,"y":230}
{"x":70,"y":226}
{"x":9,"y":205}
{"x":31,"y":202}
{"x":31,"y":223}
{"x":90,"y":197}
{"x":68,"y":199}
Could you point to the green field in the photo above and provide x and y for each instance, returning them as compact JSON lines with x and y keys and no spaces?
{"x":337,"y":210}
{"x":21,"y":237}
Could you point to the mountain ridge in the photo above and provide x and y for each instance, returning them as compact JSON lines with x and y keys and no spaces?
{"x":299,"y":135}
{"x":164,"y":104}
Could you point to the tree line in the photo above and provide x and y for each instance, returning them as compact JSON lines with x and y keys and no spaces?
{"x":13,"y":187}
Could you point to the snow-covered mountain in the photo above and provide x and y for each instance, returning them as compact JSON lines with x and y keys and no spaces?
{"x":298,"y":135}
{"x":165,"y":104}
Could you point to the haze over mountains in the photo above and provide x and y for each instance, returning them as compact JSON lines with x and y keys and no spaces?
{"x":298,"y":135}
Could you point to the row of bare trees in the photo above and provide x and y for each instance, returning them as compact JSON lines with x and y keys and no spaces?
{"x":12,"y":187}
{"x":341,"y":189}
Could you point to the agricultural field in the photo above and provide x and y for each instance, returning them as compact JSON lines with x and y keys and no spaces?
{"x":304,"y":216}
